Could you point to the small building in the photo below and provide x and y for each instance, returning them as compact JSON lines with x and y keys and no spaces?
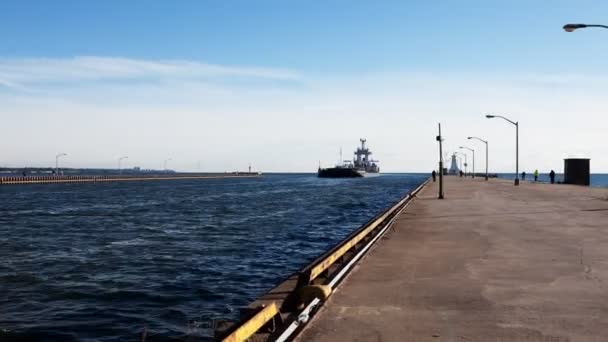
{"x":577,"y":171}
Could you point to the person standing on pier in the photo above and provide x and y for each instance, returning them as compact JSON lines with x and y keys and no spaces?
{"x":523,"y":175}
{"x":434,"y":174}
{"x":552,"y":176}
{"x":535,"y":175}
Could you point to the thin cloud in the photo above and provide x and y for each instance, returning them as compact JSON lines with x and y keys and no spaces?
{"x":19,"y":73}
{"x":180,"y":108}
{"x":12,"y":85}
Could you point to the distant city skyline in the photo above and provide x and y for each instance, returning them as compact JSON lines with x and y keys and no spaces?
{"x":284,"y":86}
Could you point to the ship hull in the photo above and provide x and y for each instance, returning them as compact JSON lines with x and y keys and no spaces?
{"x":336,"y":172}
{"x":370,"y":174}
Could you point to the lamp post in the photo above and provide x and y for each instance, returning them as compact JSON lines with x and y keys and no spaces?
{"x":465,"y":161}
{"x":485,"y":142}
{"x":439,"y":140}
{"x":472,"y":150}
{"x":120,"y":163}
{"x":490,"y":116}
{"x":57,"y":162}
{"x":572,"y":27}
{"x":165,"y":164}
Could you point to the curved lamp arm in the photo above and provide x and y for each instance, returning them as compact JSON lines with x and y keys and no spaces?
{"x":572,"y":27}
{"x":491,"y":116}
{"x":483,"y":141}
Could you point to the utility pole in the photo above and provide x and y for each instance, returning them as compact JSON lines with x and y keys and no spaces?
{"x":439,"y":139}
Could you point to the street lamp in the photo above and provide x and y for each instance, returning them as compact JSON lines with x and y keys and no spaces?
{"x":165,"y":164}
{"x":57,"y":162}
{"x":489,"y":116}
{"x":572,"y":27}
{"x":472,"y":150}
{"x":119,"y":163}
{"x":439,"y":140}
{"x":465,"y":161}
{"x":485,"y":142}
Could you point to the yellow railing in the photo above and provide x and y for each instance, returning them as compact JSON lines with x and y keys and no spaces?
{"x":346,"y":246}
{"x":252,"y":325}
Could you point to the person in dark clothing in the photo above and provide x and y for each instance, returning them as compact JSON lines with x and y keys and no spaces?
{"x":523,"y":175}
{"x":434,"y":174}
{"x":552,"y":176}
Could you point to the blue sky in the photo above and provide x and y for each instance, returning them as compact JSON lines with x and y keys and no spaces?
{"x":348,"y":36}
{"x":301,"y":78}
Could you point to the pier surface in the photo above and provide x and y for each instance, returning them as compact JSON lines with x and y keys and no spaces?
{"x":491,"y":262}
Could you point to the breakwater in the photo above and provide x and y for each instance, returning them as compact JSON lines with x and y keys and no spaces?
{"x":117,"y":178}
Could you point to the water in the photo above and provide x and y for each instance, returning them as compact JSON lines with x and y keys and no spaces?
{"x":596,"y":179}
{"x":99,"y":262}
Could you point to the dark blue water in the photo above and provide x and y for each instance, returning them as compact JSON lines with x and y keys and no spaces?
{"x":596,"y":179}
{"x":99,"y":262}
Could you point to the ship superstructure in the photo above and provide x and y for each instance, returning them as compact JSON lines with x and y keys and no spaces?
{"x":361,"y":166}
{"x":362,"y":159}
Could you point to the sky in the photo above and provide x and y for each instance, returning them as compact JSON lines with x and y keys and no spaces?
{"x":283,"y":85}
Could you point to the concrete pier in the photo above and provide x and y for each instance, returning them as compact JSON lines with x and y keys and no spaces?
{"x":490,"y":262}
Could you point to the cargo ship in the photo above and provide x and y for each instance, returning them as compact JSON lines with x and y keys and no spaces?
{"x":360,"y":166}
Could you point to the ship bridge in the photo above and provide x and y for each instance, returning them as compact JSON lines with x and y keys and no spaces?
{"x":362,"y":154}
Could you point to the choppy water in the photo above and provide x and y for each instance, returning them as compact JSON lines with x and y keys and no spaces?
{"x":98,"y":262}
